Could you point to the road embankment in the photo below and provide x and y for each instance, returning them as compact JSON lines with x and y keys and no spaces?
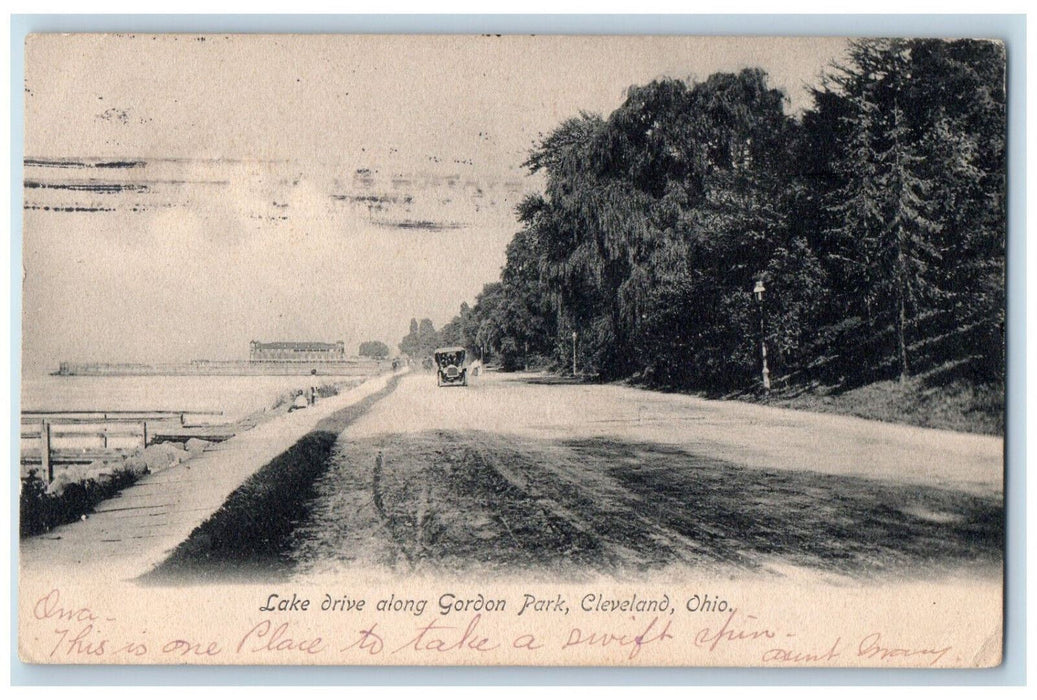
{"x":135,"y":531}
{"x":249,"y":531}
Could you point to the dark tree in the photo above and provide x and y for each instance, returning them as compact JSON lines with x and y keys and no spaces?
{"x":421,"y":340}
{"x":375,"y":349}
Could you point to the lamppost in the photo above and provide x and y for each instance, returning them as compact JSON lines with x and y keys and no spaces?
{"x":758,"y":290}
{"x":574,"y":353}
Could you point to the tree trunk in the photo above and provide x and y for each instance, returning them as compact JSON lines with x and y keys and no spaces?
{"x":902,"y":321}
{"x":901,"y":242}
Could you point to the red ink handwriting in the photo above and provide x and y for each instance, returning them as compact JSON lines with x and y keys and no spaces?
{"x":368,"y":640}
{"x":871,"y":648}
{"x":526,"y":641}
{"x":48,"y":607}
{"x":264,"y":637}
{"x":84,"y":642}
{"x":444,"y":638}
{"x":788,"y":655}
{"x":185,"y":647}
{"x":578,"y":637}
{"x":728,"y":632}
{"x":133,"y":649}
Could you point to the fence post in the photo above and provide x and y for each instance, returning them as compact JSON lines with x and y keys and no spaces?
{"x":45,"y":462}
{"x":144,"y":425}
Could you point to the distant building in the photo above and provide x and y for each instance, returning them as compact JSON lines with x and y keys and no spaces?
{"x":296,"y":352}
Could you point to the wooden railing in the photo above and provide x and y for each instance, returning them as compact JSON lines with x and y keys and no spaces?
{"x":143,"y":427}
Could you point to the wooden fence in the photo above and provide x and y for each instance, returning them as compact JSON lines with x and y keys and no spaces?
{"x":107,"y":434}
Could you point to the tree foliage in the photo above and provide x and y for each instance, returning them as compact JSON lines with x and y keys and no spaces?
{"x":375,"y":349}
{"x":421,"y":340}
{"x":876,"y":220}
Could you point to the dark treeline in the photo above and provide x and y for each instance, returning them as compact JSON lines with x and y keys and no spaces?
{"x":876,"y":221}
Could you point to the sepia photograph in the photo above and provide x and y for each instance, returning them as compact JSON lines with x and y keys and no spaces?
{"x":513,"y":350}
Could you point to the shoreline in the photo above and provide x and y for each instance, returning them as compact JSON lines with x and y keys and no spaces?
{"x":137,"y":529}
{"x":77,"y":491}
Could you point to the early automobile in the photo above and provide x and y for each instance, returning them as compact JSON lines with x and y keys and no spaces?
{"x":451,"y":366}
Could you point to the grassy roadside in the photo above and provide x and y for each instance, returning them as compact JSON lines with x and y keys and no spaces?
{"x":961,"y":406}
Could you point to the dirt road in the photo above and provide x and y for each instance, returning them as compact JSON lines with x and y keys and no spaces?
{"x":523,"y":474}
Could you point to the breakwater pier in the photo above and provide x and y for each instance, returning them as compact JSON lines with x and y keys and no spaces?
{"x":348,"y":366}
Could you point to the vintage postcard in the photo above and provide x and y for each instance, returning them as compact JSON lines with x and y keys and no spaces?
{"x":523,"y":350}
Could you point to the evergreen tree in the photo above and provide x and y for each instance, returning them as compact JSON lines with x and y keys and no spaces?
{"x":886,"y":231}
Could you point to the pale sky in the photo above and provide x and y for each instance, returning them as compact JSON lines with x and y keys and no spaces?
{"x":306,"y":188}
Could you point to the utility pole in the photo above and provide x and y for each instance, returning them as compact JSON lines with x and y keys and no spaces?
{"x":758,"y":290}
{"x":574,"y":353}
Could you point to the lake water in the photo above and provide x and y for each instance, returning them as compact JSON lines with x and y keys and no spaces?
{"x":226,"y":398}
{"x":235,"y":396}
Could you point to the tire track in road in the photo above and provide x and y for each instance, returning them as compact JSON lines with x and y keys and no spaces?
{"x":529,"y":507}
{"x":487,"y":503}
{"x":525,"y":502}
{"x":630,"y":533}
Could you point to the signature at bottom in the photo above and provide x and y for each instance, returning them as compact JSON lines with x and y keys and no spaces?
{"x":871,"y":647}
